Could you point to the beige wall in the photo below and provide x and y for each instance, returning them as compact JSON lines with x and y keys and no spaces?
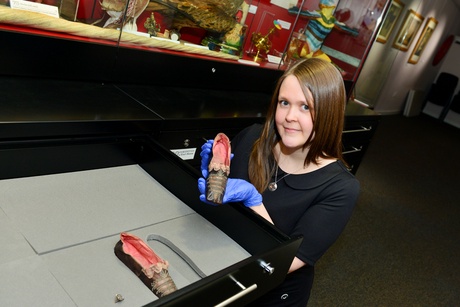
{"x":387,"y":76}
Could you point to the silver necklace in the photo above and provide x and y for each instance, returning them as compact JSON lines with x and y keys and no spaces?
{"x":272,"y":186}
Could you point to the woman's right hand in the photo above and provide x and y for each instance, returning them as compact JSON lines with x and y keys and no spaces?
{"x":237,"y":190}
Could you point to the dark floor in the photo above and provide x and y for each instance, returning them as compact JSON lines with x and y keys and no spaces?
{"x":402,"y":245}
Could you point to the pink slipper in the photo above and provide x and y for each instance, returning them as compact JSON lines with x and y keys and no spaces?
{"x":148,"y":266}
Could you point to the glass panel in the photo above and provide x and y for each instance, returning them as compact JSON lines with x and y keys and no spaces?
{"x":267,"y":33}
{"x":349,"y":46}
{"x":340,"y":31}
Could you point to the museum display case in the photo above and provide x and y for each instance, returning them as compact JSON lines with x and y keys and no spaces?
{"x":168,"y":42}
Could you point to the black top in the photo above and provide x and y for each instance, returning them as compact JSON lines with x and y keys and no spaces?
{"x":315,"y":205}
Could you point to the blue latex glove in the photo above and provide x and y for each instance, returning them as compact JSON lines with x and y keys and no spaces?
{"x":237,"y":190}
{"x":206,"y":156}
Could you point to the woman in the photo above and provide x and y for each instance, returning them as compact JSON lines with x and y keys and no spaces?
{"x":291,"y":170}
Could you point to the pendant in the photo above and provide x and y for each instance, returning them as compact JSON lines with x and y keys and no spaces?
{"x":272,"y":186}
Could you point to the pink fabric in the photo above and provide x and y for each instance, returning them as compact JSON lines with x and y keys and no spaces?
{"x":221,"y":152}
{"x":140,"y":251}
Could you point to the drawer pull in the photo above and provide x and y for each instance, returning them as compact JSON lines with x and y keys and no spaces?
{"x":363,"y":129}
{"x":243,"y":292}
{"x":267,"y":267}
{"x":353,"y":150}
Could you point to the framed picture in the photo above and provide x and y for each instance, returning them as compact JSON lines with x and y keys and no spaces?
{"x":391,"y":18}
{"x":408,"y":30}
{"x":423,"y":40}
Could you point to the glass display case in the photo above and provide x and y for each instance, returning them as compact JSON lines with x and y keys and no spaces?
{"x":267,"y":34}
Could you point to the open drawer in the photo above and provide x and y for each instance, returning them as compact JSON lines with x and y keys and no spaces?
{"x":65,"y":202}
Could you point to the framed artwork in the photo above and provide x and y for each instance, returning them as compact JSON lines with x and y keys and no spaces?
{"x":391,"y":18}
{"x":423,"y":40}
{"x":408,"y":30}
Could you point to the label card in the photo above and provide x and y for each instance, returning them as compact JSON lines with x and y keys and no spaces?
{"x":185,"y":154}
{"x":46,"y":9}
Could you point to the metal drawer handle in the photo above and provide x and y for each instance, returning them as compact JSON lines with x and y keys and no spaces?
{"x":352,"y":151}
{"x":239,"y":294}
{"x":267,"y":267}
{"x":363,"y":129}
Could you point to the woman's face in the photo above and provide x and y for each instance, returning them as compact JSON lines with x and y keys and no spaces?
{"x":293,"y":117}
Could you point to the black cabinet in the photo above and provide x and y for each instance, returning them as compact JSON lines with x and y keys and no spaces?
{"x":60,"y":128}
{"x":181,"y":119}
{"x":187,"y":135}
{"x":360,"y":126}
{"x":192,"y":116}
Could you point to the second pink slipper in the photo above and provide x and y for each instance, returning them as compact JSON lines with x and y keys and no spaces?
{"x":148,"y":266}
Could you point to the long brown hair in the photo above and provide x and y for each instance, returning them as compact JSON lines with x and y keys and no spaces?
{"x":325,"y":84}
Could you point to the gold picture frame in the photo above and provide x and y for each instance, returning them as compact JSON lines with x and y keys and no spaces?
{"x":408,"y":30}
{"x":428,"y":30}
{"x":390,"y":21}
